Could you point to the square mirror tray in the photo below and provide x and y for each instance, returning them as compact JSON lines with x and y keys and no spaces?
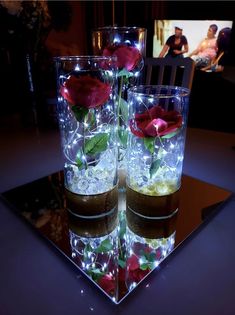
{"x":119,"y":249}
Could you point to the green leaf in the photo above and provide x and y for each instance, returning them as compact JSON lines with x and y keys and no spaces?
{"x":80,"y":112}
{"x":144,"y":266}
{"x":121,"y":263}
{"x":154,"y":167}
{"x":170,"y":135}
{"x":95,"y":274}
{"x":104,"y":247}
{"x":149,"y":144}
{"x":123,"y":110}
{"x":123,"y":135}
{"x":96,"y":271}
{"x":152,"y":265}
{"x":125,"y":73}
{"x":151,"y":257}
{"x":79,"y":161}
{"x":144,"y":260}
{"x":96,"y":144}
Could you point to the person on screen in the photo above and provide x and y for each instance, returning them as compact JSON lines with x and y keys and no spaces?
{"x":176,"y":45}
{"x":207,"y":49}
{"x":223,"y":44}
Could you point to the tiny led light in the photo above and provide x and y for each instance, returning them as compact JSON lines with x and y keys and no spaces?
{"x":139,"y":98}
{"x":138,"y":46}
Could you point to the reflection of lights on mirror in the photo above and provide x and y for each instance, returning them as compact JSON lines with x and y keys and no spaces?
{"x":127,"y":41}
{"x":138,"y":46}
{"x":116,"y":40}
{"x":110,"y":73}
{"x":136,"y":74}
{"x":156,"y":264}
{"x":139,"y":99}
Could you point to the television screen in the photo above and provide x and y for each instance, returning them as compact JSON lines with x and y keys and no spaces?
{"x":195,"y":33}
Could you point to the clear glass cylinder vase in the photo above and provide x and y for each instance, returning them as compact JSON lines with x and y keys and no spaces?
{"x":157,"y":122}
{"x":88,"y":120}
{"x":128,"y":44}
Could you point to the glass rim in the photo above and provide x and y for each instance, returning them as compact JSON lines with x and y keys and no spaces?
{"x":183,"y":91}
{"x":124,"y":29}
{"x":88,"y":57}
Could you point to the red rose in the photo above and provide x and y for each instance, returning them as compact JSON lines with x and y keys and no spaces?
{"x":133,"y":263}
{"x":107,"y":283}
{"x":85,"y":91}
{"x":155,"y":122}
{"x":127,"y":56}
{"x":135,"y":274}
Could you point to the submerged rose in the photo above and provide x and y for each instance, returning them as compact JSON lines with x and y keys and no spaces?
{"x":107,"y":283}
{"x":155,"y":122}
{"x":135,"y":273}
{"x":127,"y":56}
{"x":85,"y":91}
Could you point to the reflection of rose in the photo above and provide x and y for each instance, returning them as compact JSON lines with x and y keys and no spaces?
{"x":85,"y":91}
{"x":135,"y":274}
{"x":107,"y":283}
{"x":127,"y":56}
{"x":155,"y":122}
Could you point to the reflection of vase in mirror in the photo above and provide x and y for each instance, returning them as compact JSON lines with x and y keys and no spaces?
{"x":151,"y":222}
{"x":100,"y":209}
{"x":93,"y":237}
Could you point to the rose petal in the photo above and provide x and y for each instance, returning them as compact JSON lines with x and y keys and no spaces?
{"x":133,"y":263}
{"x":170,"y":115}
{"x":156,"y":112}
{"x":127,"y":56}
{"x":142,"y":124}
{"x":156,"y":122}
{"x":107,"y":283}
{"x":138,"y":133}
{"x":155,"y":127}
{"x":64,"y":92}
{"x":137,"y":275}
{"x":142,"y":117}
{"x":85,"y":91}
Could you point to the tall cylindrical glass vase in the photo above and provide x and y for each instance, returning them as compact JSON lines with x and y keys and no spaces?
{"x":155,"y":153}
{"x":128,"y":44}
{"x":88,"y":122}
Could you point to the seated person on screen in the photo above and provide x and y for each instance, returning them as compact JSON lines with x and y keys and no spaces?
{"x":223,"y":42}
{"x":207,"y":49}
{"x":174,"y":44}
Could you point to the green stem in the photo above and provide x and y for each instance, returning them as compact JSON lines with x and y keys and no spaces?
{"x":84,"y":140}
{"x":152,"y":154}
{"x":160,"y":140}
{"x":119,"y":97}
{"x":120,"y":249}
